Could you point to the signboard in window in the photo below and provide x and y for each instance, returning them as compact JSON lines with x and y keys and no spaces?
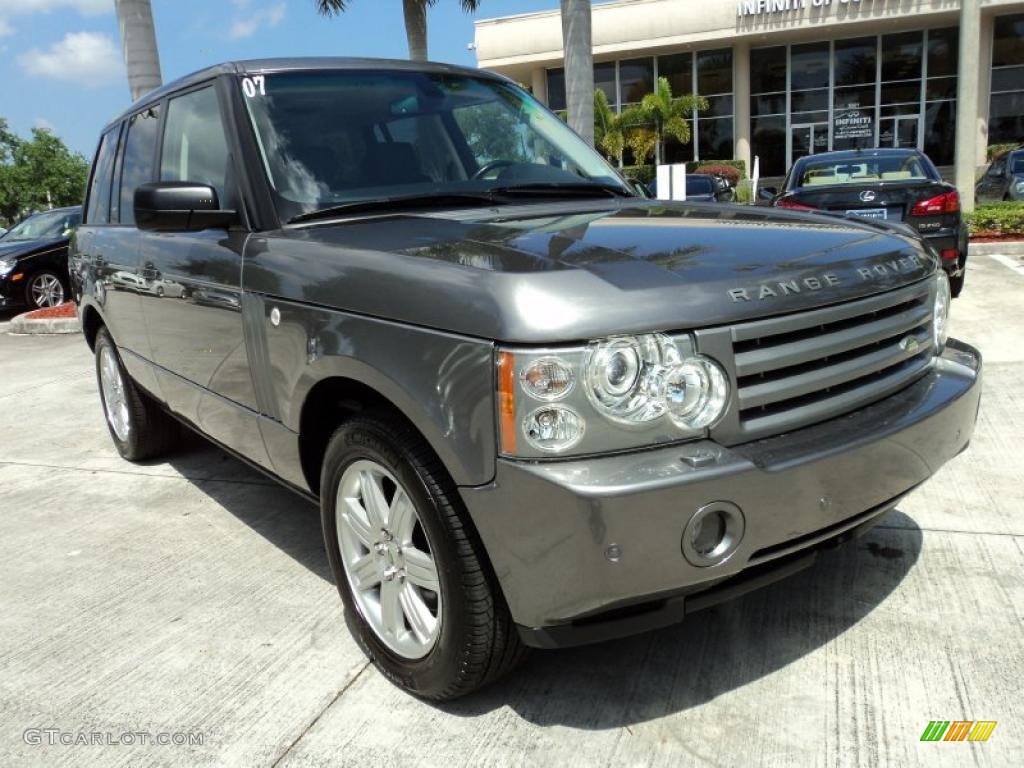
{"x":852,"y":124}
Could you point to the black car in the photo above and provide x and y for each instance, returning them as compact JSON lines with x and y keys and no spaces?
{"x":1004,"y":179}
{"x":888,"y":185}
{"x":702,"y":188}
{"x":34,"y":259}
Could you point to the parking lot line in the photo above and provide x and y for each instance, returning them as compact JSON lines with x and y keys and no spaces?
{"x":1008,"y":261}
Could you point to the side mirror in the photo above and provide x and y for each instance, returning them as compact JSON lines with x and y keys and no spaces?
{"x":180,"y":206}
{"x":995,"y":171}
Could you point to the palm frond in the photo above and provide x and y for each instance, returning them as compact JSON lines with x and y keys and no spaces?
{"x":331,"y":7}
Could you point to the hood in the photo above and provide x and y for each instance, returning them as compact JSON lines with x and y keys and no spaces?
{"x":17,"y":248}
{"x":539,"y":274}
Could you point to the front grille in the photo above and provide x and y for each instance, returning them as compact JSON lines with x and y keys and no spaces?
{"x":803,"y":368}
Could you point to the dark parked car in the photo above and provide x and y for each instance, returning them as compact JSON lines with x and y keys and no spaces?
{"x":702,"y":188}
{"x":1004,"y":179}
{"x":888,"y":186}
{"x":534,"y":408}
{"x":34,"y":259}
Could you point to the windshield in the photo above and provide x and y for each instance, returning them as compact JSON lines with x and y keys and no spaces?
{"x":332,"y":138}
{"x":45,"y":226}
{"x":857,"y":171}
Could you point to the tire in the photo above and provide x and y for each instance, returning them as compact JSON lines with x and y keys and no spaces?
{"x":139,"y":427}
{"x":474,"y":640}
{"x":45,"y":289}
{"x":956,"y":284}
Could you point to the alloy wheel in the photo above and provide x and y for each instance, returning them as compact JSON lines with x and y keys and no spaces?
{"x":115,"y":400}
{"x":46,"y":290}
{"x":387,"y":559}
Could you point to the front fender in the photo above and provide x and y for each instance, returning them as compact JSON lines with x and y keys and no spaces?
{"x":443,"y":383}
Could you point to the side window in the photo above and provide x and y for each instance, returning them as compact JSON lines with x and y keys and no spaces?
{"x":99,"y":188}
{"x":195,"y":148}
{"x":137,"y":160}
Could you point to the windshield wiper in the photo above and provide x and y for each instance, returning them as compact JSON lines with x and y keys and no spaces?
{"x":447,"y":199}
{"x":555,"y":189}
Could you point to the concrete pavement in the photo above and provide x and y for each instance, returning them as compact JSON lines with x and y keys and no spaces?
{"x":193,"y":596}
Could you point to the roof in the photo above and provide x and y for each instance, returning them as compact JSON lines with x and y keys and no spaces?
{"x":295,"y":64}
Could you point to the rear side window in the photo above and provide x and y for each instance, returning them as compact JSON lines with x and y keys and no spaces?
{"x":137,"y":162}
{"x":99,"y":187}
{"x":195,"y":148}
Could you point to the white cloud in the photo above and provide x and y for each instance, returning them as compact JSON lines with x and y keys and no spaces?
{"x":247,"y":24}
{"x":85,"y":7}
{"x":5,"y":28}
{"x":88,"y":58}
{"x":45,"y":125}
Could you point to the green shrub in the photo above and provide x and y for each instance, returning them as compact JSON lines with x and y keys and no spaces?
{"x":719,"y":169}
{"x":997,"y":218}
{"x":744,"y":191}
{"x":997,"y":150}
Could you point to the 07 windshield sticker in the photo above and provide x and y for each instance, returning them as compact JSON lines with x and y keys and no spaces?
{"x":255,"y":85}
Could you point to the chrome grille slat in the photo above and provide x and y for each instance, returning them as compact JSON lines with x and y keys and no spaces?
{"x":773,"y":357}
{"x":828,"y":376}
{"x":773,"y":423}
{"x":805,"y":367}
{"x":788,"y":323}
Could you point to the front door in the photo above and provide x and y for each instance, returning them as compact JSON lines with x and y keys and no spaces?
{"x":191,"y":286}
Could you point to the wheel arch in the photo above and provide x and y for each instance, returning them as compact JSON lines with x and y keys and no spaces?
{"x":92,"y":321}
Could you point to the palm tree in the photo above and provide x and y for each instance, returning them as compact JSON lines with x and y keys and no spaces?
{"x":615,"y":131}
{"x":669,"y":114}
{"x":579,"y":67}
{"x":415,"y":20}
{"x":138,"y":40}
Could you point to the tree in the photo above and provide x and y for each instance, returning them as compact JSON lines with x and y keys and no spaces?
{"x":415,"y":12}
{"x":615,"y":132}
{"x":138,"y":40}
{"x":579,"y":67}
{"x":669,"y":114}
{"x":37,"y":173}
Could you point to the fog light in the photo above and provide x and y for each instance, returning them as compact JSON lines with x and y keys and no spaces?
{"x":713,"y":533}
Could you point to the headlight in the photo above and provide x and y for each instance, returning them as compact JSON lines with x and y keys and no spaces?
{"x":613,"y":394}
{"x":1020,"y":187}
{"x":940,"y":316}
{"x":6,"y":266}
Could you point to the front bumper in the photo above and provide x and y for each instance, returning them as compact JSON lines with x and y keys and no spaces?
{"x":547,"y":526}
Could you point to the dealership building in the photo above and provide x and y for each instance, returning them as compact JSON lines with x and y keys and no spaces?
{"x":787,"y":78}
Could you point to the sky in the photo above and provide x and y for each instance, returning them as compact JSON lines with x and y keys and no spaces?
{"x":61,"y":65}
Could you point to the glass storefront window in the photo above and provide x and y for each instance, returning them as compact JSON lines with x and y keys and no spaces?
{"x":803,"y":101}
{"x":604,"y":79}
{"x":718,"y":106}
{"x":714,"y":72}
{"x":768,"y":142}
{"x":1008,"y":42}
{"x":678,"y":69}
{"x":768,"y":70}
{"x":809,"y":66}
{"x":901,"y":93}
{"x":940,"y":131}
{"x":1006,"y":108}
{"x":714,"y":138}
{"x":636,"y":79}
{"x":943,"y":49}
{"x":768,"y":104}
{"x":901,"y":56}
{"x":940,"y":88}
{"x":855,"y":61}
{"x":556,"y":89}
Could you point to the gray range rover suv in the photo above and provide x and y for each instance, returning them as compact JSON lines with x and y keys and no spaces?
{"x":534,"y":408}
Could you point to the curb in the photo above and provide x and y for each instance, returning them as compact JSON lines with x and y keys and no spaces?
{"x":53,"y":325}
{"x":1007,"y":248}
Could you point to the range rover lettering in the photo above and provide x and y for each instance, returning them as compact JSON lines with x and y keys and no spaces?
{"x":534,"y":408}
